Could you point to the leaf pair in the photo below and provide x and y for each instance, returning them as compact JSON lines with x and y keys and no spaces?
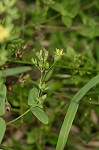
{"x":36,"y":105}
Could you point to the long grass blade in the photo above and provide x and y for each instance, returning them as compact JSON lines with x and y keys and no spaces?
{"x":71,"y":112}
{"x":67,"y":125}
{"x":14,"y":71}
{"x":86,"y":88}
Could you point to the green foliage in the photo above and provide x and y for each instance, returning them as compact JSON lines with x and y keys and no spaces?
{"x":29,"y":84}
{"x":14,"y":71}
{"x":36,"y":105}
{"x":72,"y":111}
{"x":2,"y":129}
{"x":40,"y":114}
{"x":33,"y":98}
{"x":67,"y":125}
{"x":3,"y":57}
{"x":3,"y":92}
{"x":5,"y":148}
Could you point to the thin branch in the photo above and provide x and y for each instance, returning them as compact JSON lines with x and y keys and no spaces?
{"x":10,"y":122}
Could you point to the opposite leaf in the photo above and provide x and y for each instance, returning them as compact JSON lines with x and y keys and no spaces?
{"x":33,"y":97}
{"x":2,"y":129}
{"x":40,"y":114}
{"x":2,"y":99}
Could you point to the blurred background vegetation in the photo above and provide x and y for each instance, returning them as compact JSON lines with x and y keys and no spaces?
{"x":48,"y":24}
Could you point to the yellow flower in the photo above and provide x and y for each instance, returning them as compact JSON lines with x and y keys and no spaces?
{"x":4,"y":33}
{"x":59,"y":52}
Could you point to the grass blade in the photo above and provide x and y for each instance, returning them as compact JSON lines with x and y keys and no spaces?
{"x":71,"y":112}
{"x":86,"y":88}
{"x":66,"y":125}
{"x":14,"y":71}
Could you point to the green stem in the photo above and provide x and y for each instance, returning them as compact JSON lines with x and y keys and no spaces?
{"x":52,"y":18}
{"x":42,"y":78}
{"x":48,"y":20}
{"x":48,"y":71}
{"x":70,"y":68}
{"x":20,"y":62}
{"x":41,"y":82}
{"x":92,"y":102}
{"x":88,"y":6}
{"x":21,"y":105}
{"x":10,"y":122}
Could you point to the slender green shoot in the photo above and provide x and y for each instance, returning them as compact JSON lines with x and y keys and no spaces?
{"x":71,"y":112}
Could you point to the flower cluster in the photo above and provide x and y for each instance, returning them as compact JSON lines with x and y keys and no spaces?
{"x":58,"y":54}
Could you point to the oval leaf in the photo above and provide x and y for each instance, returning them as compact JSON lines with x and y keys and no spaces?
{"x":33,"y":96}
{"x":2,"y":99}
{"x":2,"y":129}
{"x":40,"y":114}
